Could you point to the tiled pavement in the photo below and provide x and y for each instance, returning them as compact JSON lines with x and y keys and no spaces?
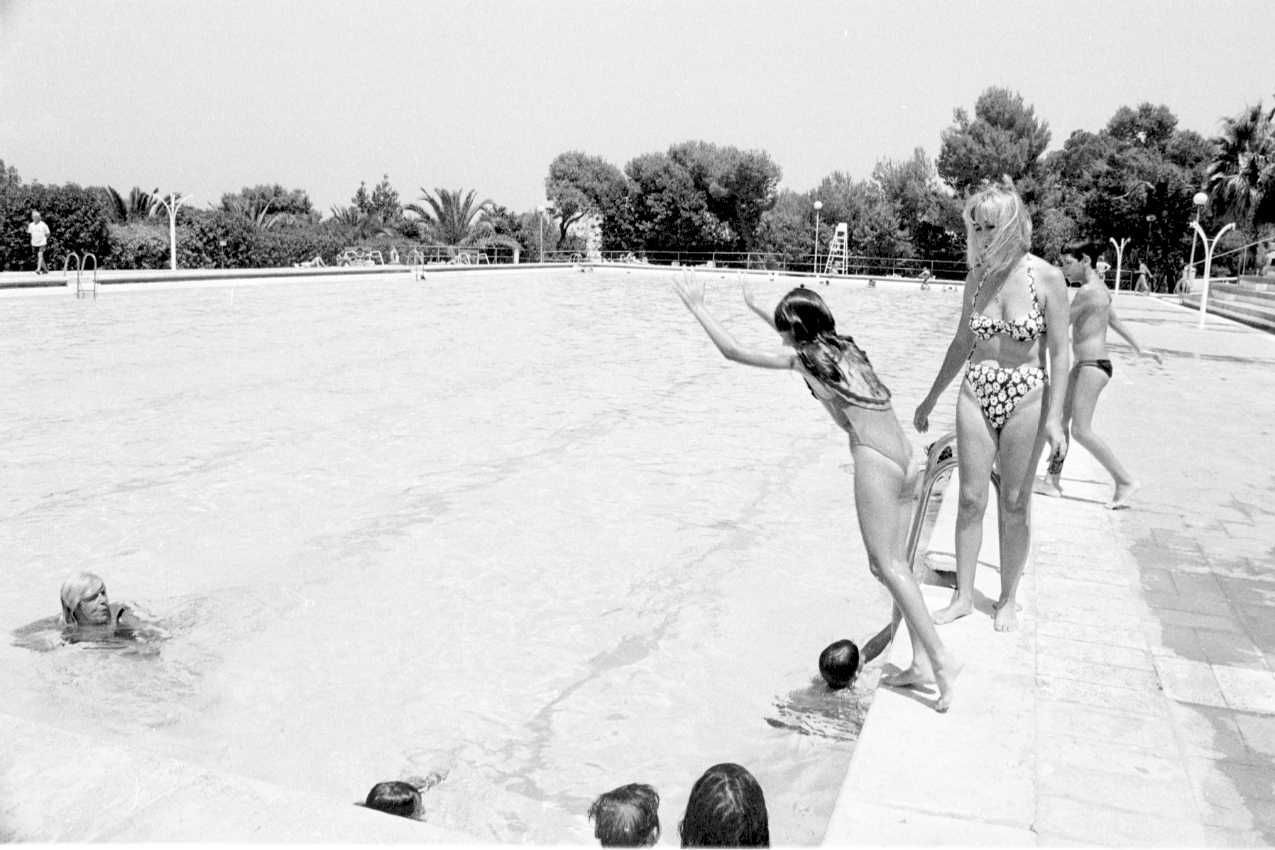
{"x":1136,"y":705}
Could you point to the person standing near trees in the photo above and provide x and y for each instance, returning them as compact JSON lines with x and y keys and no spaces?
{"x":1091,"y":314}
{"x":39,"y":232}
{"x":1144,"y":276}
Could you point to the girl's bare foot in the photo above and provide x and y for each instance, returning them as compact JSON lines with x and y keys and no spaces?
{"x":919,"y":673}
{"x":945,"y":677}
{"x":1006,"y":617}
{"x":1122,"y":495}
{"x":954,"y":611}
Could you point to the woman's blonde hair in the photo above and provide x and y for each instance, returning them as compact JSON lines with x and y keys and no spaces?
{"x":997,"y":204}
{"x":74,"y":591}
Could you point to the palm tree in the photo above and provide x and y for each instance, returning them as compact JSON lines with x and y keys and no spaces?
{"x":1242,"y":174}
{"x":359,"y":225}
{"x":138,"y":204}
{"x":453,"y":219}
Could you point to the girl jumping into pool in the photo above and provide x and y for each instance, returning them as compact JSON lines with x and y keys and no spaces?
{"x":839,"y":375}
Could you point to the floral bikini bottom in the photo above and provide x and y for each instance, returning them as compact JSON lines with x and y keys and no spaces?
{"x":999,"y":390}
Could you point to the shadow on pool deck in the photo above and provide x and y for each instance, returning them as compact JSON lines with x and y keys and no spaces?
{"x":1136,"y":704}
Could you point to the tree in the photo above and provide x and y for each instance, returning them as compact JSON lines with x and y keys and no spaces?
{"x":381,"y":204}
{"x":266,"y":206}
{"x":453,"y":219}
{"x":1005,"y":138}
{"x":929,"y":217}
{"x":1241,"y":175}
{"x":139,"y":204}
{"x":579,"y":184}
{"x":9,"y":176}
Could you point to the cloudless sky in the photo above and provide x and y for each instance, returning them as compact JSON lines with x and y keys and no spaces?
{"x":207,"y":97}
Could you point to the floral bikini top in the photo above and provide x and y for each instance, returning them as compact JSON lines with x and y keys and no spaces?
{"x":1026,"y":329}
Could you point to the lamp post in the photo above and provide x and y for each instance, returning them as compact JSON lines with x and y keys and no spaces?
{"x":1208,"y":262}
{"x":1200,"y":200}
{"x":1119,"y":257}
{"x":172,"y":203}
{"x":815,"y":262}
{"x":540,"y":220}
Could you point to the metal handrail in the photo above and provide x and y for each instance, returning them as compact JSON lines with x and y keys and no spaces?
{"x":84,"y":258}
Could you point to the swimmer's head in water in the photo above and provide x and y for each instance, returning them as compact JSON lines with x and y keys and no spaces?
{"x":803,"y":316}
{"x":395,"y":798}
{"x":628,"y":816}
{"x":998,"y":228}
{"x":726,"y":809}
{"x":84,"y":601}
{"x":839,"y":664}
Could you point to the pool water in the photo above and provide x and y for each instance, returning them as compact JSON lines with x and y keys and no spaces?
{"x":530,"y":529}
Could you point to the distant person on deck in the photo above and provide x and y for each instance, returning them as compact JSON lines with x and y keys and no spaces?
{"x":1090,"y":315}
{"x":39,"y":232}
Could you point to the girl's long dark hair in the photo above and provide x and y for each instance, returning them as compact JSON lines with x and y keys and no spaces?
{"x":804,"y":315}
{"x":726,"y":809}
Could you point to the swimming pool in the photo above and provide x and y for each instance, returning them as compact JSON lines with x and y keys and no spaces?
{"x":530,"y":529}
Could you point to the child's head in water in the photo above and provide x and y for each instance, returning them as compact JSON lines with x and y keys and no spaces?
{"x":84,"y":601}
{"x":396,"y":798}
{"x":802,"y":316}
{"x":726,"y":809}
{"x":839,"y":663}
{"x":628,"y":816}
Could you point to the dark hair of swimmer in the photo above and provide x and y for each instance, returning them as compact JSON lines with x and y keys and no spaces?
{"x":839,"y":664}
{"x":726,"y":809}
{"x":395,"y":798}
{"x":628,"y":816}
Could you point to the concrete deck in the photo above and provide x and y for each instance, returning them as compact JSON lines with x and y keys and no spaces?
{"x":1136,"y":704}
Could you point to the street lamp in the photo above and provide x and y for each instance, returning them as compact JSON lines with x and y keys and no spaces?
{"x":171,"y":203}
{"x":1208,"y":262}
{"x":1119,"y":257}
{"x":1200,"y":200}
{"x":540,"y":219}
{"x":815,"y":262}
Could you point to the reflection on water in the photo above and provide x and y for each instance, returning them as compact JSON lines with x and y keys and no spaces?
{"x":530,"y":530}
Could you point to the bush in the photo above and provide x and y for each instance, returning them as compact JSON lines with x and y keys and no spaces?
{"x":137,"y":246}
{"x":272,"y":248}
{"x":77,"y":222}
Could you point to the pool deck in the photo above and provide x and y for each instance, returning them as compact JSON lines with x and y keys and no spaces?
{"x":1136,"y":703}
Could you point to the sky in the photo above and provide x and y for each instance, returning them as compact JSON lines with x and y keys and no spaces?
{"x":209,"y":97}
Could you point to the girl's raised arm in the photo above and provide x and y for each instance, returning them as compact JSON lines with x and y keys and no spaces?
{"x":750,"y":298}
{"x":691,"y":291}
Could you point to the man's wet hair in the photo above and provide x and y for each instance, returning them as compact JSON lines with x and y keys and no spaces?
{"x":628,"y":816}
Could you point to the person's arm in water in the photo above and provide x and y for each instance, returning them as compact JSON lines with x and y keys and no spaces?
{"x":1113,"y":322}
{"x":1058,"y":320}
{"x":957,"y":352}
{"x":691,"y":291}
{"x":750,"y":298}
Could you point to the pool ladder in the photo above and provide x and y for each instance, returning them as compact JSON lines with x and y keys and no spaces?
{"x":940,"y":461}
{"x":85,"y":278}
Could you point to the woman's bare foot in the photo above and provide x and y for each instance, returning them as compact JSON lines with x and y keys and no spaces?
{"x":1047,"y":487}
{"x":955,"y":610}
{"x":945,"y":677}
{"x":1122,"y":495}
{"x":1006,"y":616}
{"x":920,"y":673}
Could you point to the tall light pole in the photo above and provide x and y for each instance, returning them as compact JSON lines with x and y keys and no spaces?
{"x":1208,"y":262}
{"x":172,"y":203}
{"x":1119,"y":257}
{"x":540,"y":220}
{"x":1200,"y":200}
{"x":815,"y":263}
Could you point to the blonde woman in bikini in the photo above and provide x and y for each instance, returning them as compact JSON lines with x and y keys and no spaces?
{"x":1014,"y":311}
{"x":1091,"y":314}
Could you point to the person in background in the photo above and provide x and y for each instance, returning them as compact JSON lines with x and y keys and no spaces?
{"x":628,"y":816}
{"x":726,"y":809}
{"x":88,"y":613}
{"x":39,"y":232}
{"x":1091,"y":314}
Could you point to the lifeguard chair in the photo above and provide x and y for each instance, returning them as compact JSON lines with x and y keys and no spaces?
{"x":839,"y":250}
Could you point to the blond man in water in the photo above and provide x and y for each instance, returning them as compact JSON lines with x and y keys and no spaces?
{"x":1091,"y":314}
